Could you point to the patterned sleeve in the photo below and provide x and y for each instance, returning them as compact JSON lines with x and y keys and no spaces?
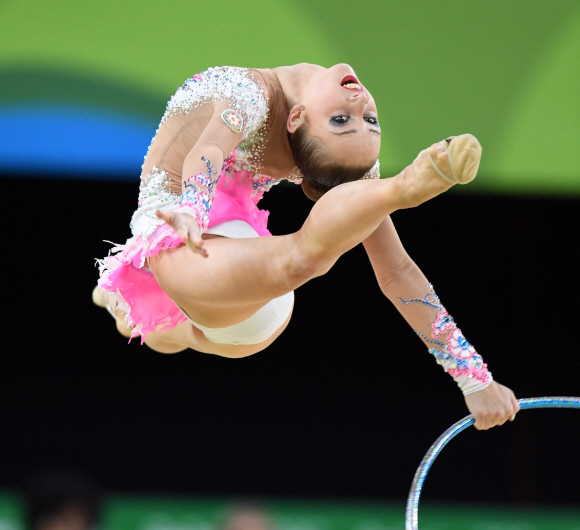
{"x":445,"y":341}
{"x":247,"y":100}
{"x":198,"y":192}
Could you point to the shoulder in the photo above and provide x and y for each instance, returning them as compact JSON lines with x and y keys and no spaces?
{"x":237,"y":86}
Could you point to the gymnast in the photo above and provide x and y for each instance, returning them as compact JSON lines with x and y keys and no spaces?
{"x":202,"y":271}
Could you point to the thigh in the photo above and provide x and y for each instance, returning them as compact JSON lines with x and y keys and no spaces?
{"x":237,"y":278}
{"x":242,"y":275}
{"x":185,"y":335}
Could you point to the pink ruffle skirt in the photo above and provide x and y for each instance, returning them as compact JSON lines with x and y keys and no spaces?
{"x":146,"y":306}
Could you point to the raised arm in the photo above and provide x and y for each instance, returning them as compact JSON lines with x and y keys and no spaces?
{"x":403,"y":283}
{"x":201,"y":170}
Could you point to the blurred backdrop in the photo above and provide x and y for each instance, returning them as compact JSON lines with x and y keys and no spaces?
{"x":343,"y":406}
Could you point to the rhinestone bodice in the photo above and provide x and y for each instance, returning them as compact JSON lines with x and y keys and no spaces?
{"x":248,"y":98}
{"x":245,"y":95}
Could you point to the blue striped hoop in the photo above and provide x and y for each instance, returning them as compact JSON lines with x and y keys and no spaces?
{"x":412,"y":513}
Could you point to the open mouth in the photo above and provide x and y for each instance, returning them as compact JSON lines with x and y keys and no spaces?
{"x":351,"y":83}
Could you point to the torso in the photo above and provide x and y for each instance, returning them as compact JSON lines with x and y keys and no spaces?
{"x":264,"y":149}
{"x":264,"y":152}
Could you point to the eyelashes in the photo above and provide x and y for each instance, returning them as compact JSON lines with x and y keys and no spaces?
{"x":339,"y":120}
{"x":342,"y":119}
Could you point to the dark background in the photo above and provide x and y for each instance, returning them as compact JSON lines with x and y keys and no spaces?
{"x":346,"y":401}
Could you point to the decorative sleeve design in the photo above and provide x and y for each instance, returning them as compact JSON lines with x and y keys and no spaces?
{"x":450,"y":348}
{"x":237,"y":85}
{"x":198,"y":194}
{"x":154,"y":194}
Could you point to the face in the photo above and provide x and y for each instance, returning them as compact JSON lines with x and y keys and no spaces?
{"x":342,"y":115}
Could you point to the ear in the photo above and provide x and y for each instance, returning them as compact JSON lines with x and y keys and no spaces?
{"x":295,"y":118}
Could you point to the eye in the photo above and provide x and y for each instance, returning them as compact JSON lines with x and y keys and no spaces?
{"x":339,"y":120}
{"x":371,"y":120}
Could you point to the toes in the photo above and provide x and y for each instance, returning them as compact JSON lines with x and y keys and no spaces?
{"x":441,"y":158}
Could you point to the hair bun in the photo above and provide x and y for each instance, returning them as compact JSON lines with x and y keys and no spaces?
{"x":314,"y":190}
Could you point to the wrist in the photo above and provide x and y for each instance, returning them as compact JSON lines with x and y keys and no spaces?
{"x":189,"y":208}
{"x":450,"y":348}
{"x":469,"y":384}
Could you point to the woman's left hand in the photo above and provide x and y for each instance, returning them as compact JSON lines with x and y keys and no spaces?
{"x":187,"y":229}
{"x":492,"y":406}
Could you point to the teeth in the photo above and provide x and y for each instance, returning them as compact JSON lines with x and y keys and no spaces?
{"x":351,"y":85}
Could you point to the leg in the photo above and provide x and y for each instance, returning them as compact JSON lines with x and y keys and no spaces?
{"x":240,"y":276}
{"x":185,"y":335}
{"x":102,"y":298}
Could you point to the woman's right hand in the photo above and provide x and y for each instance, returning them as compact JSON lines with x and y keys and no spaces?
{"x":187,"y":229}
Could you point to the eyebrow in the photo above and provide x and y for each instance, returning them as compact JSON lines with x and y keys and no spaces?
{"x":345,"y":132}
{"x":353,"y":131}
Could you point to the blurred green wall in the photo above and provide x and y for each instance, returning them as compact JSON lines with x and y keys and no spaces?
{"x":507,"y":71}
{"x":182,"y":513}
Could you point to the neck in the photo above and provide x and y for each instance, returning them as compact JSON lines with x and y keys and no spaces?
{"x":295,"y":79}
{"x":278,"y":160}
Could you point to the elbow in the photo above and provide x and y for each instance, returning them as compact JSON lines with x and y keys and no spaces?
{"x":390,"y":277}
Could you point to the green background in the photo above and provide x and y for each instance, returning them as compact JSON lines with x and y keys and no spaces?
{"x":506,"y":71}
{"x":163,"y":513}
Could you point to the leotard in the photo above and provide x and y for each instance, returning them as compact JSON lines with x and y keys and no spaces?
{"x":228,"y":204}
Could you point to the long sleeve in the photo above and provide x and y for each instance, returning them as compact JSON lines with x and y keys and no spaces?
{"x":198,"y":192}
{"x":191,"y":135}
{"x":403,"y":283}
{"x":438,"y":330}
{"x":199,"y":173}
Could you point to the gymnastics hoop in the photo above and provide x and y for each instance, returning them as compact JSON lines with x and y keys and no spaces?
{"x":412,"y":517}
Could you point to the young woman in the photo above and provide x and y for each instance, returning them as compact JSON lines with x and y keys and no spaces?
{"x":199,"y":271}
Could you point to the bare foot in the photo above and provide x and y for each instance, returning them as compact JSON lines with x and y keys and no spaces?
{"x":123,"y":328}
{"x":104,"y":299}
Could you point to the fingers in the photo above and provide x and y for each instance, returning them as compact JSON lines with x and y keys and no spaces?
{"x":515,"y":406}
{"x":485,"y":421}
{"x":493,"y":415}
{"x":488,"y":419}
{"x":195,"y":243}
{"x":186,"y":228}
{"x":171,"y":219}
{"x":198,"y":248}
{"x":168,"y":217}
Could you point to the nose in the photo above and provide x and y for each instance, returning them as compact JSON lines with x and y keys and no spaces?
{"x":360,"y":99}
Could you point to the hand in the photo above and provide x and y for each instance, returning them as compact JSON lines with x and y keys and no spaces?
{"x":187,"y":229}
{"x":492,"y":406}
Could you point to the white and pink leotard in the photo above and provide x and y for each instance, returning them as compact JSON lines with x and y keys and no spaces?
{"x":226,"y":203}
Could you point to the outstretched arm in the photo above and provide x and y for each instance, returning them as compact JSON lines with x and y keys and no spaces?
{"x":403,"y":283}
{"x":201,"y":170}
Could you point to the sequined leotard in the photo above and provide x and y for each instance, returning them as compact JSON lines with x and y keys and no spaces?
{"x":233,"y":193}
{"x":185,"y":118}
